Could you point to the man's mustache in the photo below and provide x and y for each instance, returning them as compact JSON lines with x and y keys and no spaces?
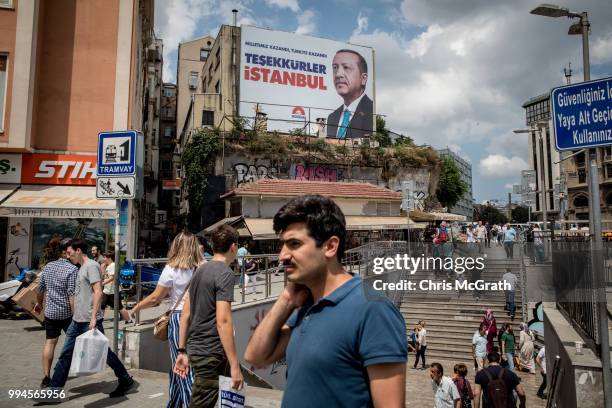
{"x":285,"y":264}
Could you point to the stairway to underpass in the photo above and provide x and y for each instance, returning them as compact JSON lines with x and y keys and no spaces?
{"x":452,"y":318}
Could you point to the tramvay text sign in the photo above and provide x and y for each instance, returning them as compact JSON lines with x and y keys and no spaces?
{"x":582,"y":114}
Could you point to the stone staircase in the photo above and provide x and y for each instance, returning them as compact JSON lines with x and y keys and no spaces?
{"x":452,"y":318}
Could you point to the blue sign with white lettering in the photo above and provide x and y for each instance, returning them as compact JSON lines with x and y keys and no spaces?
{"x":117,"y":153}
{"x":582,"y":114}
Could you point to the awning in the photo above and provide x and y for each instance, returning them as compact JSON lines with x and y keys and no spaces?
{"x":254,"y":228}
{"x":423,"y":216}
{"x":57,"y":202}
{"x":6,"y":190}
{"x":261,"y":228}
{"x":230,"y":221}
{"x":362,"y":223}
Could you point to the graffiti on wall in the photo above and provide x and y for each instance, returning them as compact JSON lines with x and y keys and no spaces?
{"x":248,"y":173}
{"x":317,"y":173}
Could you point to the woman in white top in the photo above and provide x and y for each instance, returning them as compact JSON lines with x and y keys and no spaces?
{"x":184,"y":257}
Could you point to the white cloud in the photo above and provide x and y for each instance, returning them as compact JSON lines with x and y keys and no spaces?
{"x":601,"y":49}
{"x":179,"y":20}
{"x":292,"y":5}
{"x":508,"y":186}
{"x":306,"y":22}
{"x":499,"y":166}
{"x":362,"y":24}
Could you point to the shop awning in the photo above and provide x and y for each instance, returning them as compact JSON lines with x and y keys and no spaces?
{"x":261,"y":228}
{"x":57,"y":202}
{"x":423,"y":216}
{"x":361,"y":223}
{"x":6,"y":190}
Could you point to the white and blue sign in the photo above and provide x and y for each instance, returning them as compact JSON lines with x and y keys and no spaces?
{"x":582,"y":114}
{"x":117,"y":153}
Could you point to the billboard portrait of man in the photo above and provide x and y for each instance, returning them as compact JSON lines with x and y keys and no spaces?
{"x":353,"y":119}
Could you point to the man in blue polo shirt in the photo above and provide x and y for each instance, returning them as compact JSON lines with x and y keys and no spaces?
{"x":343,"y":348}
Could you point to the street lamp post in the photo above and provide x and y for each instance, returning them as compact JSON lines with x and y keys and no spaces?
{"x":582,"y":28}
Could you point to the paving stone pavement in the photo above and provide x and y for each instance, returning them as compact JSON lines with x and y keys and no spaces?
{"x":419,"y":392}
{"x":20,"y":353}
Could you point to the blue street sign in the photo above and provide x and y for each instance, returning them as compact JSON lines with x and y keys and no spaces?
{"x":582,"y":114}
{"x":117,"y":153}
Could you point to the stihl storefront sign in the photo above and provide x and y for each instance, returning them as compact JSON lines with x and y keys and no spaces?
{"x":58,"y":169}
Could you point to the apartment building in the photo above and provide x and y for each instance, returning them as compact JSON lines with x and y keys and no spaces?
{"x":68,"y":70}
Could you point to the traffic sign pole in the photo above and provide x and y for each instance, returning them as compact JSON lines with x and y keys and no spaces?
{"x":116,"y":276}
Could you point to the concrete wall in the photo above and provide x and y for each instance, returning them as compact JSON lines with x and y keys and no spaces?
{"x":8,"y":25}
{"x":189,"y":60}
{"x":580,"y":382}
{"x":75,"y":74}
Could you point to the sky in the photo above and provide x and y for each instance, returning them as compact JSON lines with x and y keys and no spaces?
{"x":449,"y":73}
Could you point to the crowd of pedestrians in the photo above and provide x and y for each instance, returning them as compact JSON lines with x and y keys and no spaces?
{"x":331,"y":360}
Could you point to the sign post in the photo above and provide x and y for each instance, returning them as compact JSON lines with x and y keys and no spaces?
{"x":118,"y":154}
{"x":582,"y":118}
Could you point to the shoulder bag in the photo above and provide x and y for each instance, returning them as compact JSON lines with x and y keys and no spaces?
{"x":160,"y":331}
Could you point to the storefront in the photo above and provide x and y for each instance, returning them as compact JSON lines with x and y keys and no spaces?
{"x":45,"y":196}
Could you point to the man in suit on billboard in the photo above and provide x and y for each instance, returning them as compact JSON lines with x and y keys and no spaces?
{"x":354,"y":119}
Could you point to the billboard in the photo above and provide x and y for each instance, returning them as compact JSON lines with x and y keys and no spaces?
{"x":322,"y":86}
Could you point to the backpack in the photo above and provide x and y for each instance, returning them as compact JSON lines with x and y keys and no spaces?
{"x":442,"y":235}
{"x":497,"y":392}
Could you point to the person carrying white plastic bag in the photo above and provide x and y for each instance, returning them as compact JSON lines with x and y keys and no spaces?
{"x":230,"y":397}
{"x":90,"y":351}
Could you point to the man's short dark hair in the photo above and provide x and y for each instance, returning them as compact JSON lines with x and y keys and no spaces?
{"x":481,"y":326}
{"x":222,"y":238}
{"x":361,"y":63}
{"x":78,"y":244}
{"x":493,"y":357}
{"x":438,"y":367}
{"x":322,"y":216}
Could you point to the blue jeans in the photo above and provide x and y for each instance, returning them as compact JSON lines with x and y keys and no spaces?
{"x":510,"y":358}
{"x":62,"y":367}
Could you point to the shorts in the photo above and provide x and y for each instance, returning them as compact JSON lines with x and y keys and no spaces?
{"x":109,"y":300}
{"x":53,"y":328}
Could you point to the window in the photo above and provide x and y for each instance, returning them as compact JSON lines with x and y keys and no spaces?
{"x":168,"y":132}
{"x":3,"y":70}
{"x":168,"y":92}
{"x":203,"y":54}
{"x":208,"y":118}
{"x":581,"y":201}
{"x":6,"y":3}
{"x":193,"y":80}
{"x":580,"y":160}
{"x":581,"y":175}
{"x":166,"y":165}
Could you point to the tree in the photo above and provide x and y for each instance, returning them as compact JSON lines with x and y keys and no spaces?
{"x":382,"y":135}
{"x":450,"y":187}
{"x":520,"y":214}
{"x":492,"y":215}
{"x":198,"y":161}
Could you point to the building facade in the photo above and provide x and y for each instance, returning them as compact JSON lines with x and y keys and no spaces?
{"x":543,"y":157}
{"x":192,"y":56}
{"x":170,"y":160}
{"x":465,"y":206}
{"x":68,"y":70}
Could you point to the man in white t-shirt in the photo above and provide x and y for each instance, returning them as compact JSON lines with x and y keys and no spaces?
{"x":510,"y":279}
{"x":421,"y":344}
{"x":109,"y":285}
{"x":481,"y":233}
{"x":446,"y":394}
{"x":479,"y":347}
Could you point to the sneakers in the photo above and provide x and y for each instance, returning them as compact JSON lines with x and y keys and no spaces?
{"x":45,"y":382}
{"x":122,"y":388}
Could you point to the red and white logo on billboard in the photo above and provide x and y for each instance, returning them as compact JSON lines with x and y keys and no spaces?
{"x":298,"y":113}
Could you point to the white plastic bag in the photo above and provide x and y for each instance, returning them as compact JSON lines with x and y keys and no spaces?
{"x":229,"y":397}
{"x":89,"y":355}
